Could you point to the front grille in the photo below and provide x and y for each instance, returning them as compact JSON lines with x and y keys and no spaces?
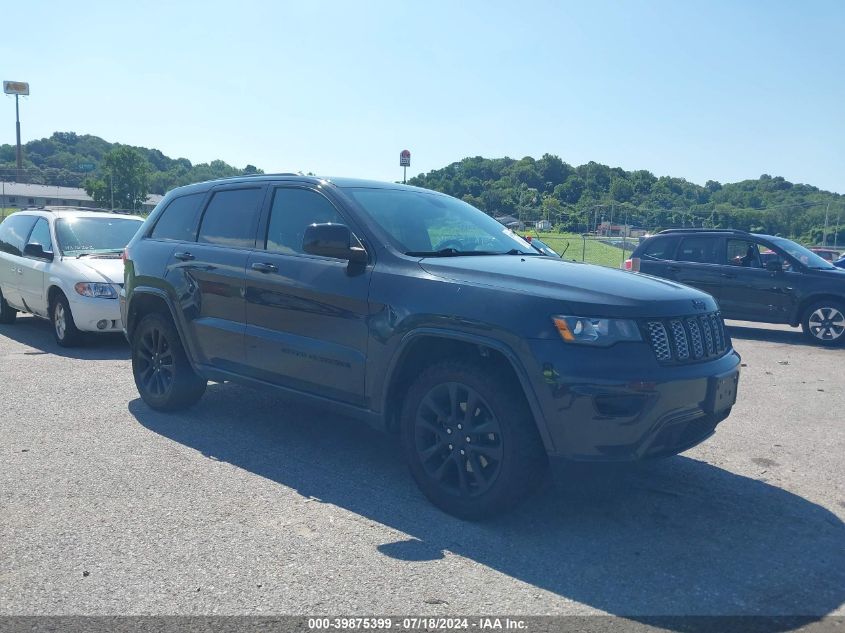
{"x":687,"y":339}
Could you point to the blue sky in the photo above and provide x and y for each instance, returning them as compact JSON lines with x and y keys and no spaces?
{"x":702,"y":90}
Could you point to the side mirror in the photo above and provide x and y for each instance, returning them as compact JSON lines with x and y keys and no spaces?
{"x":34,"y":249}
{"x":774,"y":266}
{"x":332,"y":240}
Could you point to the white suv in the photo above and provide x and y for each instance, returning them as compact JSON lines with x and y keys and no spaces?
{"x":64,"y":264}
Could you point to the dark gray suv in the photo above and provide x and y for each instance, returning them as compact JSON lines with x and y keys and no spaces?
{"x":424,"y":316}
{"x":753,"y":277}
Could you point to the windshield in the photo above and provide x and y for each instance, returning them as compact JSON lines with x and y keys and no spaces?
{"x":803,"y":255}
{"x":83,"y":236}
{"x":428,"y":224}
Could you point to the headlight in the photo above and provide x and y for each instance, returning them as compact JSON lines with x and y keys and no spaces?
{"x":101,"y":291}
{"x":593,"y":331}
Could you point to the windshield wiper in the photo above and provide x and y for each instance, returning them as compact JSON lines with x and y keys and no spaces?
{"x":454,"y":252}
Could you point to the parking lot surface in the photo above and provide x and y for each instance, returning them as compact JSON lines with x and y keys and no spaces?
{"x":248,"y":504}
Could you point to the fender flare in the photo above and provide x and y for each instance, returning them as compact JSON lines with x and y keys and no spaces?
{"x":175,"y":315}
{"x":504,"y":349}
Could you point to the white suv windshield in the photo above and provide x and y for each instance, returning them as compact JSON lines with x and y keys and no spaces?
{"x":428,"y":224}
{"x":78,"y":236}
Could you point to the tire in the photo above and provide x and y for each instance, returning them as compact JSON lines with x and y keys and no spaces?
{"x":163,"y":374}
{"x":824,"y":323}
{"x":64,"y":328}
{"x":7,"y":313}
{"x":477,"y":465}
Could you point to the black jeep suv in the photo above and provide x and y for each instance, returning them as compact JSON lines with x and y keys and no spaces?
{"x":753,"y":277}
{"x":422,"y":315}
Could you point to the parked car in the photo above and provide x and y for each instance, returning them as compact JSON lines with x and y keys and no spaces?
{"x":63,"y":264}
{"x":827,"y":254}
{"x":422,"y":315}
{"x":753,"y":277}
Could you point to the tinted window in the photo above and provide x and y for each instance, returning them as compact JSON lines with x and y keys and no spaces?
{"x":697,"y":249}
{"x":178,"y":220}
{"x":13,"y":232}
{"x":230,"y":217}
{"x":41,"y":235}
{"x":661,"y":248}
{"x":293,"y":210}
{"x":743,"y":253}
{"x":78,"y":236}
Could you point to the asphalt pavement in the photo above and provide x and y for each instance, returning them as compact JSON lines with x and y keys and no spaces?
{"x":248,"y":504}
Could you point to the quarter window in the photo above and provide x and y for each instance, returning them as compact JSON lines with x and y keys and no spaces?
{"x":41,"y":235}
{"x":178,"y":220}
{"x":661,"y":248}
{"x":701,"y":250}
{"x":293,"y":210}
{"x":230,"y":218}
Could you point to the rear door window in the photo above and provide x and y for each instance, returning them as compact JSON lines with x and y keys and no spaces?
{"x":230,"y":218}
{"x":179,"y":220}
{"x":700,"y":250}
{"x":14,"y":231}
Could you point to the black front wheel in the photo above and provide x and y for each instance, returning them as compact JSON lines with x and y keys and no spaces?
{"x":163,"y":375}
{"x":64,"y":327}
{"x":470,"y":439}
{"x":824,"y":323}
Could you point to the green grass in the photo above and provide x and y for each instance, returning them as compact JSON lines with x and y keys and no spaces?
{"x":592,"y":252}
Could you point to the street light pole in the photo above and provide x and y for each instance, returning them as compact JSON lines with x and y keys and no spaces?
{"x":18,"y":133}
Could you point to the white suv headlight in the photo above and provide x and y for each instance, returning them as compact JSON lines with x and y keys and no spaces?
{"x":596,"y":331}
{"x":92,"y":289}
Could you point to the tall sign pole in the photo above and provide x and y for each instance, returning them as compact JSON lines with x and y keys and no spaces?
{"x":404,"y":163}
{"x":17,"y":88}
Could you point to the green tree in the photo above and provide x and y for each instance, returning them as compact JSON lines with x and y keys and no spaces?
{"x":124,"y":179}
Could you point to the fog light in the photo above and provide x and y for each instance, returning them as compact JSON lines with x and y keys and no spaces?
{"x":102,"y":324}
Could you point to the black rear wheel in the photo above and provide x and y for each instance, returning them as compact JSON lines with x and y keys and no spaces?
{"x":7,"y":313}
{"x":470,"y":439}
{"x":163,"y":375}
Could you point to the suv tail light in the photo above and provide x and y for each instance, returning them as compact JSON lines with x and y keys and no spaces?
{"x":633,"y":264}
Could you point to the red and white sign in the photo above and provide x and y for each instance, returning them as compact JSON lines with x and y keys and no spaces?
{"x":404,"y":158}
{"x":20,"y":88}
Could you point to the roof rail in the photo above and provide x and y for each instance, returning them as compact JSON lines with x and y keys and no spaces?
{"x":736,"y":231}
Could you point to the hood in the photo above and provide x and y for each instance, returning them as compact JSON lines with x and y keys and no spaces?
{"x":100,"y":269}
{"x":596,"y":290}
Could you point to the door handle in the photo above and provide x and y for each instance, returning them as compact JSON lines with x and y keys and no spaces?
{"x":729,"y":275}
{"x":183,"y":256}
{"x":263,"y":267}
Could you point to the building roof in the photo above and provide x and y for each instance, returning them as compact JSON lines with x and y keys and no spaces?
{"x":27,"y":190}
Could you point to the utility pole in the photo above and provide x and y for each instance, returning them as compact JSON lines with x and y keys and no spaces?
{"x":111,"y":186}
{"x":824,"y":236}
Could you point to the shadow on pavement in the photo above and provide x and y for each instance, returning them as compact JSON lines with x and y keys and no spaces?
{"x":792,"y":336}
{"x":38,"y":333}
{"x":681,"y":537}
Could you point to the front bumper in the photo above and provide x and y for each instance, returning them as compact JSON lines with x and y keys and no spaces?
{"x":619,"y":404}
{"x":90,"y":311}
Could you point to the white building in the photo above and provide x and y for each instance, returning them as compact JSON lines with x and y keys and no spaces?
{"x":17,"y":195}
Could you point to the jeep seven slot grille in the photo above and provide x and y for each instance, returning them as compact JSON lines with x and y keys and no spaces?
{"x":687,"y":339}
